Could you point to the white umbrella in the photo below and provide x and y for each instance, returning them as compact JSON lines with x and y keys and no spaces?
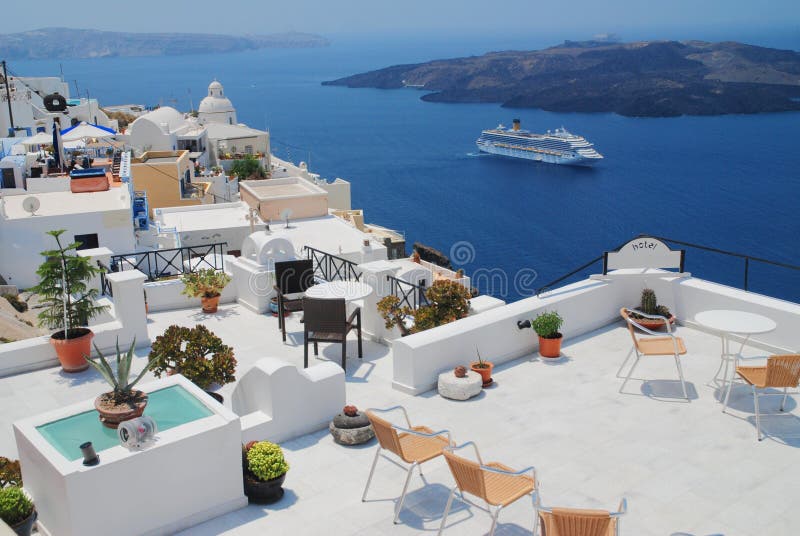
{"x":41,"y":138}
{"x":85,"y":130}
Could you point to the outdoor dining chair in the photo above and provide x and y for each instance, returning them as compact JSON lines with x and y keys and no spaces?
{"x":780,"y":371}
{"x":292,"y":279}
{"x":326,"y":320}
{"x":659,"y":345}
{"x":414,"y":445}
{"x":493,"y":483}
{"x":577,"y":522}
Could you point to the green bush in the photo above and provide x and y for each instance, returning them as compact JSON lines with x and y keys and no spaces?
{"x":248,"y":168}
{"x":447,"y":301}
{"x":547,"y":325}
{"x":265,"y":460}
{"x":194,"y":352}
{"x":15,"y":506}
{"x":205,"y":283}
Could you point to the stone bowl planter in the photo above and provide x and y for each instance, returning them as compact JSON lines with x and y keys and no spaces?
{"x":455,"y":388}
{"x":351,"y":430}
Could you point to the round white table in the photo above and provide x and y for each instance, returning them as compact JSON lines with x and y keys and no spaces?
{"x":728,"y":322}
{"x":349,"y":290}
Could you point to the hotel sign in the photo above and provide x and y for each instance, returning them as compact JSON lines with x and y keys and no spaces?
{"x":643,"y":252}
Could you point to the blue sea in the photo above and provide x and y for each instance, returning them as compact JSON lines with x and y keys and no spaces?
{"x":730,"y":182}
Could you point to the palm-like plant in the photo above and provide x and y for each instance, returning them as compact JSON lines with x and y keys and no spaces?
{"x":69,"y":303}
{"x":123,"y":390}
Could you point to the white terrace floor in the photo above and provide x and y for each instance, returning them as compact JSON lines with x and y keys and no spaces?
{"x":686,"y":468}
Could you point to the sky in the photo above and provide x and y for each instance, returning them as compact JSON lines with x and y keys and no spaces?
{"x":576,"y":19}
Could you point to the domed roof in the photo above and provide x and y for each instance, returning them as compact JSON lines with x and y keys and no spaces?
{"x":216,"y":102}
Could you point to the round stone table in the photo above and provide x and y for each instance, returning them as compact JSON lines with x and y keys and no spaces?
{"x":459,"y":388}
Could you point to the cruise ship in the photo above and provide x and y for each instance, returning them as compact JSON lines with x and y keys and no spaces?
{"x":558,"y":147}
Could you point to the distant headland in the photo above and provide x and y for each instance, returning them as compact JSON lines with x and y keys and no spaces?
{"x":648,"y":78}
{"x":69,"y":43}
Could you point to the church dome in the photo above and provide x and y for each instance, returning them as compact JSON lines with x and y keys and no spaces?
{"x":216,"y":102}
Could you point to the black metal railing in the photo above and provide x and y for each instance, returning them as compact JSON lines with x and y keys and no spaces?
{"x":160,"y":263}
{"x":410,"y":295}
{"x":330,"y":267}
{"x":746,"y":257}
{"x":105,"y":284}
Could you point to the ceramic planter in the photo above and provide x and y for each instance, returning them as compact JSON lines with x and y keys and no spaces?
{"x":25,"y":527}
{"x":653,"y":324}
{"x":210,"y":304}
{"x":263,"y":491}
{"x":485,"y":371}
{"x":550,"y":347}
{"x":112,"y":416}
{"x":71,"y":352}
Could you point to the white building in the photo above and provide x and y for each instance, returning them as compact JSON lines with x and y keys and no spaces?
{"x":96,"y":219}
{"x":28,"y":109}
{"x":167,"y":129}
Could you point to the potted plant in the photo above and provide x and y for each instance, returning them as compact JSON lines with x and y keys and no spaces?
{"x":206,"y":284}
{"x":264,"y":469}
{"x":649,"y":305}
{"x":484,"y":368}
{"x":122,"y":403}
{"x":68,"y":302}
{"x":547,"y":326}
{"x":17,"y":510}
{"x":196,"y":353}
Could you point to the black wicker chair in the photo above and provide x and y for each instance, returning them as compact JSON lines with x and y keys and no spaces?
{"x":292,"y":279}
{"x":326,"y":320}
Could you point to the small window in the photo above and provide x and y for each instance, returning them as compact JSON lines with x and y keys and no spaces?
{"x":87,"y":241}
{"x":248,"y":149}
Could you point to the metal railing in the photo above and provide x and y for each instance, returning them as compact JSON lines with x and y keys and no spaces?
{"x":410,"y":295}
{"x":330,"y":267}
{"x":105,"y":284}
{"x":746,"y":257}
{"x":160,"y":263}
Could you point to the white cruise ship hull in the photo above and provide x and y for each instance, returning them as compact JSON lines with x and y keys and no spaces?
{"x":575,"y":160}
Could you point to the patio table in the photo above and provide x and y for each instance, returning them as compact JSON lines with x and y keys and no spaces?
{"x":727,"y":323}
{"x":349,"y":290}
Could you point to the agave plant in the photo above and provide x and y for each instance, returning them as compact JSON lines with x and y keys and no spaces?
{"x":123,"y":390}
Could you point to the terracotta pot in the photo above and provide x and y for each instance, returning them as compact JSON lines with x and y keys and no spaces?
{"x":485,"y":372}
{"x":550,"y":347}
{"x":111,"y":417}
{"x":71,"y":351}
{"x":652,"y":324}
{"x":25,"y":527}
{"x":210,"y":304}
{"x":263,"y":491}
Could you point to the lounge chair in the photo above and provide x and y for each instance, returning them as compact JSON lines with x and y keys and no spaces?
{"x":576,"y":522}
{"x":493,"y":483}
{"x":780,"y":371}
{"x":660,"y":345}
{"x":414,"y":445}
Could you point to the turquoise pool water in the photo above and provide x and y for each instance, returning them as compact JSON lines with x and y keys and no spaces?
{"x":169,"y":407}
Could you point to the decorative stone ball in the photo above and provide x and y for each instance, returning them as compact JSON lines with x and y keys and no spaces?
{"x":350,"y":411}
{"x":351,"y":429}
{"x":460,"y":371}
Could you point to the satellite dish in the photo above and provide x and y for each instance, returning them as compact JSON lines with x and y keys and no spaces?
{"x":31,"y":204}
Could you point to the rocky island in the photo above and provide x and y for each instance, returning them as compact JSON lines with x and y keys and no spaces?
{"x":650,"y":78}
{"x":69,"y":43}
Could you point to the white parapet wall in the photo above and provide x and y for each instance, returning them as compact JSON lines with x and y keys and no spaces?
{"x":585,"y":306}
{"x":277,"y":401}
{"x":167,"y":295}
{"x":128,"y":322}
{"x":191,"y":473}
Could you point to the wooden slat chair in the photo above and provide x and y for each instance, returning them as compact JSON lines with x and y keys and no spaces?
{"x":781,"y":371}
{"x":292,"y":279}
{"x":494,"y":483}
{"x":659,"y":345}
{"x":578,"y":522}
{"x":326,"y":320}
{"x":414,"y":445}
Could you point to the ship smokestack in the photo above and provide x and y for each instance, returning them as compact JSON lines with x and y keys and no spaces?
{"x":516,"y":124}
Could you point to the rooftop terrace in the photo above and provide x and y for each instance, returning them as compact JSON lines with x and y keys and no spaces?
{"x":685,"y":467}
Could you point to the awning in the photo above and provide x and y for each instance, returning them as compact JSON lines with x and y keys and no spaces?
{"x":41,"y":138}
{"x":84,"y":130}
